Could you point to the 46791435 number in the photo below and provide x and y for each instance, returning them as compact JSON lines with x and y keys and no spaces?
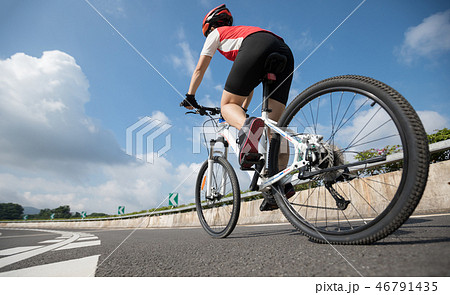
{"x":407,"y":286}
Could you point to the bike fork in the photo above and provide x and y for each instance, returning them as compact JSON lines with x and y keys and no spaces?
{"x":210,"y":167}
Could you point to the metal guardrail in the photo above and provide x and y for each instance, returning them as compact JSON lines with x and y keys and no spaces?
{"x":434,"y":148}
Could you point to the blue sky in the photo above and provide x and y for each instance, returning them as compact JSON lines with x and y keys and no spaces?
{"x":70,"y":86}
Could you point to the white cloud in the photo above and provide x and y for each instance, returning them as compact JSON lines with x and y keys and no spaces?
{"x":207,"y":101}
{"x":136,"y":185}
{"x":52,"y":153}
{"x":114,"y":8}
{"x":359,"y":130}
{"x":427,"y":39}
{"x":206,"y":3}
{"x":161,"y":116}
{"x":293,"y":92}
{"x":304,"y":42}
{"x":186,"y":62}
{"x":432,"y":121}
{"x":42,"y":119}
{"x":369,"y":128}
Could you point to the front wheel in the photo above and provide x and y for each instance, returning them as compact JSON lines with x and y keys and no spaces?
{"x":359,"y":118}
{"x":217,"y":209}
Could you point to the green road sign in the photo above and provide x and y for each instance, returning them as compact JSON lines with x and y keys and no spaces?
{"x":25,"y":217}
{"x":83,"y":214}
{"x":52,"y":216}
{"x":121,"y":210}
{"x":173,"y":199}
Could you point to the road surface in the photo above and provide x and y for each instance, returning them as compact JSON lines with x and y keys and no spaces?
{"x":421,"y":247}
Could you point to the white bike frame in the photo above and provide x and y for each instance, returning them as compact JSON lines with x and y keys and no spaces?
{"x":301,"y":143}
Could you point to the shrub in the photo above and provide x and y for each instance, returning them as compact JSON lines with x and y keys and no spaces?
{"x":372,"y":153}
{"x":440,"y":135}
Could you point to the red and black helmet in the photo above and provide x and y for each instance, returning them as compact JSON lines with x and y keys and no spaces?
{"x":218,"y":17}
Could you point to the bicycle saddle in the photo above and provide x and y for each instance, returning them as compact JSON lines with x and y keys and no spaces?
{"x":275,"y":63}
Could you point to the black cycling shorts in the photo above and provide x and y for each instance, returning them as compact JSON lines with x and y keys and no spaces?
{"x":248,"y":68}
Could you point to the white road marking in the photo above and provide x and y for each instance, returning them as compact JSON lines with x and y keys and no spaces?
{"x":79,"y":245}
{"x":82,"y":267}
{"x":22,"y":256}
{"x":430,"y":215}
{"x":71,"y":268}
{"x":16,"y":250}
{"x":50,"y":242}
{"x":87,"y":238}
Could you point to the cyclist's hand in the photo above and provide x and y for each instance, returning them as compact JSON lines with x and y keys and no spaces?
{"x":189,"y":102}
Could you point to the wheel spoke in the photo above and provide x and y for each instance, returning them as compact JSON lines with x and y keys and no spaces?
{"x":356,"y":116}
{"x":364,"y":127}
{"x":218,"y":216}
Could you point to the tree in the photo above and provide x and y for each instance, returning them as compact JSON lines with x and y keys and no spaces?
{"x":44,"y":214}
{"x":62,"y":212}
{"x":76,"y":215}
{"x":10,"y":211}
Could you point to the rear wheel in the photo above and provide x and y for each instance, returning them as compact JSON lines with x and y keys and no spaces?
{"x":359,"y":118}
{"x":218,"y":210}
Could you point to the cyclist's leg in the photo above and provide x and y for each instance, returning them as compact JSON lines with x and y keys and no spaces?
{"x":250,"y":129}
{"x":231,"y":109}
{"x":277,"y":110}
{"x":247,"y":101}
{"x":279,"y":97}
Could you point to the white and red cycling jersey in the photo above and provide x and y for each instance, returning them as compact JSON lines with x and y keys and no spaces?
{"x":228,"y":40}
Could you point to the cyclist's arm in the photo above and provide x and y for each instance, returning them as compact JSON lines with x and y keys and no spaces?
{"x":199,"y":72}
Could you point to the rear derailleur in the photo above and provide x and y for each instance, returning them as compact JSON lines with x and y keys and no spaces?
{"x":341,"y":203}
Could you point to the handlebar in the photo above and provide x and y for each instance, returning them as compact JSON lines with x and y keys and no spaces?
{"x":202,"y":111}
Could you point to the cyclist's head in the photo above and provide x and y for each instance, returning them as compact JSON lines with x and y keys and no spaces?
{"x":218,"y":17}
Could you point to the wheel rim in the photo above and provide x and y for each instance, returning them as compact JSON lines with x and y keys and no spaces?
{"x":216,"y":211}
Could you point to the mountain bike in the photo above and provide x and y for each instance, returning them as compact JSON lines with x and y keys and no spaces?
{"x":338,"y":136}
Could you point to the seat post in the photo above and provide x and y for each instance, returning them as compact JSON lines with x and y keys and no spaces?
{"x":273,"y":65}
{"x":265,"y":116}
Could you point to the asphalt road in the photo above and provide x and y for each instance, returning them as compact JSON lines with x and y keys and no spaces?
{"x":420,"y":248}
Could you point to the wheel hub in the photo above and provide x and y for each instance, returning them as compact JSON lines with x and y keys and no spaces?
{"x":327,"y":156}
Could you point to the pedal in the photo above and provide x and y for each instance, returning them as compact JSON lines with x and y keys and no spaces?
{"x":267,"y":206}
{"x":258,"y":168}
{"x":269,"y":203}
{"x":250,"y":159}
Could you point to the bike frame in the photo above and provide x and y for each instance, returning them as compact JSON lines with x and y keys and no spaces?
{"x":301,"y":143}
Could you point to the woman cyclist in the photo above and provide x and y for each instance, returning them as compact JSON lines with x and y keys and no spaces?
{"x":248,"y":47}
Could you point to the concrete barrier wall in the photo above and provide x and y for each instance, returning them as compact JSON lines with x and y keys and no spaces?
{"x":436,"y":199}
